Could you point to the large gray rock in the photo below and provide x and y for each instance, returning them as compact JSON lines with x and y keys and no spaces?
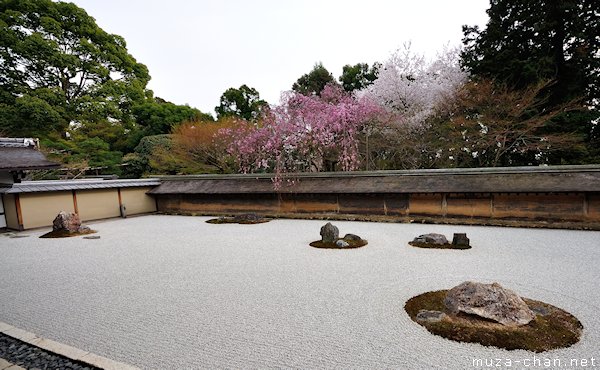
{"x":490,"y":301}
{"x":431,"y":238}
{"x":329,"y":233}
{"x":67,"y":221}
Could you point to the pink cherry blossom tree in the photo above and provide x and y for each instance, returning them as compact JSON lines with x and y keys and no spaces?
{"x":306,"y":134}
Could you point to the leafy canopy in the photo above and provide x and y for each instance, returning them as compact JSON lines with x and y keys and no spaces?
{"x":315,"y":81}
{"x":358,"y":76}
{"x":56,"y":63}
{"x":529,"y":41}
{"x":244,"y":103}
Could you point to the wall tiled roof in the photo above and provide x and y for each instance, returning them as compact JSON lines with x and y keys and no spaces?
{"x":65,"y":185}
{"x":474,"y":180}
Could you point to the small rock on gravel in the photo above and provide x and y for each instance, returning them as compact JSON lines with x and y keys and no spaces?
{"x":430,"y":316}
{"x":341,"y":244}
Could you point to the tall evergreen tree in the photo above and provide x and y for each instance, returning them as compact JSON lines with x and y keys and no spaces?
{"x":528,"y":41}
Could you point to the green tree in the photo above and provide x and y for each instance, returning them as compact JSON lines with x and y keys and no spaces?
{"x":244,"y":103}
{"x":529,"y":41}
{"x":314,"y":82}
{"x":138,"y":163}
{"x":96,"y":152}
{"x":158,"y":116}
{"x":358,"y":76}
{"x":56,"y":61}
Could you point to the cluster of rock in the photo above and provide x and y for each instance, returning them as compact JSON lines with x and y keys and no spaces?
{"x":459,"y":240}
{"x":69,"y":222}
{"x":331,"y":234}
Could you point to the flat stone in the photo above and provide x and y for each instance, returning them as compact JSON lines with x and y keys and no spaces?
{"x":352,"y":237}
{"x":4,"y":364}
{"x":92,"y":237}
{"x":539,"y":310}
{"x":15,"y":367}
{"x":431,"y":316}
{"x":21,"y":335}
{"x":431,"y":238}
{"x":4,"y":327}
{"x":61,"y":349}
{"x":84,"y":229}
{"x":489,"y":301}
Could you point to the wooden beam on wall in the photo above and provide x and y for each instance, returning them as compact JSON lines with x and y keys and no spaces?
{"x":19,"y":212}
{"x":75,"y":208}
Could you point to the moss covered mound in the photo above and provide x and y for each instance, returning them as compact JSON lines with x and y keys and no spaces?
{"x":66,"y":234}
{"x":552,"y":328}
{"x":439,"y":246}
{"x":234,"y":220}
{"x":351,"y":244}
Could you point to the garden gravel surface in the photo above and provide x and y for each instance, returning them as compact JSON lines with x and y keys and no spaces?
{"x":166,"y":292}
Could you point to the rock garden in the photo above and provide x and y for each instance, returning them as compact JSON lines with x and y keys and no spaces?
{"x":248,"y":293}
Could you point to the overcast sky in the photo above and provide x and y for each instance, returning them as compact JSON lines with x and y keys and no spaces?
{"x":195,"y":50}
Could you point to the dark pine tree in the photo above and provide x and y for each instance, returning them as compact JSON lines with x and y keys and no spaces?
{"x":528,"y":41}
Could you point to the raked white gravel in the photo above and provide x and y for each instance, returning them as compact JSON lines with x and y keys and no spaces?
{"x":173,"y":292}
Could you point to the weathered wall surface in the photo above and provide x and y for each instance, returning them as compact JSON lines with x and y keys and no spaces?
{"x":482,"y":208}
{"x":97,"y":204}
{"x":40,"y":209}
{"x":592,"y":206}
{"x":137,"y":201}
{"x":10,"y":211}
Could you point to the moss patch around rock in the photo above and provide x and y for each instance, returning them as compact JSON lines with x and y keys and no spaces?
{"x":552,"y":328}
{"x":65,"y":234}
{"x":233,"y":220}
{"x":439,"y":246}
{"x":351,"y":244}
